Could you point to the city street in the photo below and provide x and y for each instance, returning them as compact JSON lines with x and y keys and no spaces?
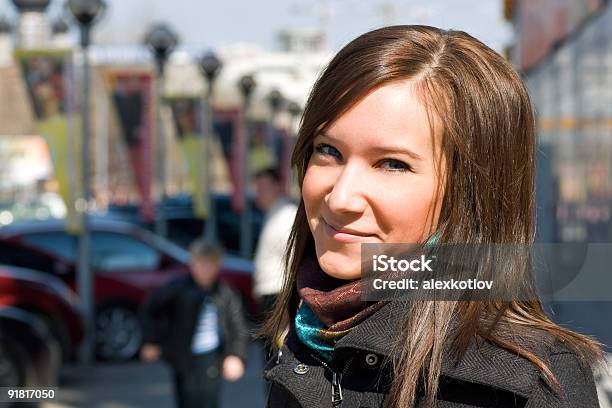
{"x":177,"y":175}
{"x":136,"y":385}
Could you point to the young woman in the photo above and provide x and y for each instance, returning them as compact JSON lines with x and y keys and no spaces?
{"x":414,"y":134}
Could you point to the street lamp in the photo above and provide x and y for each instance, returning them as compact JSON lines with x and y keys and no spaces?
{"x":33,"y":29}
{"x":294,"y":110}
{"x":86,"y":12}
{"x":210,"y":66}
{"x":161,"y":40}
{"x":277,"y":101}
{"x":59,"y":34}
{"x":31,"y":5}
{"x":246,"y":86}
{"x":5,"y":26}
{"x":59,"y":26}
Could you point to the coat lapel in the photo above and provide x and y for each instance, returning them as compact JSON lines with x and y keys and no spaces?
{"x":486,"y":373}
{"x":483,"y":363}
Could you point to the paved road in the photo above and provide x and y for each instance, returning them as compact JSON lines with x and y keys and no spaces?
{"x":139,"y":385}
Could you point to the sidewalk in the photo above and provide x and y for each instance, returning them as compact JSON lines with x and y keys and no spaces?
{"x":139,"y":385}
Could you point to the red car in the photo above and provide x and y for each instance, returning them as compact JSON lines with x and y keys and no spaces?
{"x":46,"y":297}
{"x":29,"y":355}
{"x":128,"y":264}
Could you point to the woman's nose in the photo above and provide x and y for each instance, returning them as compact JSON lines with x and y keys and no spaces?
{"x":348,"y":191}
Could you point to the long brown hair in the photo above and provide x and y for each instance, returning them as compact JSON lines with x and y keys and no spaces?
{"x":486,"y":134}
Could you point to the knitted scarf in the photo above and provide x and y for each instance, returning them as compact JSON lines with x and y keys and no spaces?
{"x":330,"y":307}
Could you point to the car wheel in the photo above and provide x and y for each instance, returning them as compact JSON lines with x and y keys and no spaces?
{"x":9,"y":371}
{"x":118,"y":333}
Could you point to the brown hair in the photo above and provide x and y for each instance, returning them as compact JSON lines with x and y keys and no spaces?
{"x":271,"y":173}
{"x":202,"y":248}
{"x":486,"y":135}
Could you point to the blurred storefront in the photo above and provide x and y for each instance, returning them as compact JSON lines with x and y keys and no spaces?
{"x":564,"y":50}
{"x":123,"y":106}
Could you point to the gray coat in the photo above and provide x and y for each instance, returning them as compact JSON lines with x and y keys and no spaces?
{"x":358,"y":375}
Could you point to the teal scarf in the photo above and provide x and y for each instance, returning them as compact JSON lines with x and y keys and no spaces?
{"x":330,"y":307}
{"x":314,"y":334}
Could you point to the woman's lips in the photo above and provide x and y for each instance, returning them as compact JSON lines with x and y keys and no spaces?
{"x":344,"y":235}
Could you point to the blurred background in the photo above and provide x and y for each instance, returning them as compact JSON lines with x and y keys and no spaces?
{"x":130,"y":128}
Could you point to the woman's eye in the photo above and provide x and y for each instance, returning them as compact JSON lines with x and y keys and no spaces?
{"x":326,"y":149}
{"x":395,"y":165}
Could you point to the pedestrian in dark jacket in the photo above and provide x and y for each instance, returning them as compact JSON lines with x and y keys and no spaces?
{"x":425,"y":137}
{"x":196,"y":324}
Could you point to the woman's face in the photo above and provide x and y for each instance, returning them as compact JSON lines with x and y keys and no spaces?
{"x":371,"y":179}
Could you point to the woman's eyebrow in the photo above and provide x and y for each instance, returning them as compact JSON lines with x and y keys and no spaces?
{"x":325,"y":134}
{"x":382,"y":149}
{"x":389,"y":150}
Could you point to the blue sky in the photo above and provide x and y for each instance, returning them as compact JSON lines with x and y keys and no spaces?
{"x":202,"y":24}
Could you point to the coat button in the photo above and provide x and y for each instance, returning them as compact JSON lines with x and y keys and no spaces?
{"x":371,"y":359}
{"x":300,"y":369}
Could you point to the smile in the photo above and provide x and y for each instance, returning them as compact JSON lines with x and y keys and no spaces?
{"x":345,"y":235}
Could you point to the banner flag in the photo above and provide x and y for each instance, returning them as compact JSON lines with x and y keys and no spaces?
{"x":227,"y":126}
{"x":131,"y":92}
{"x":188,"y":113}
{"x":49,"y":78}
{"x":286,"y":148}
{"x":238,"y":163}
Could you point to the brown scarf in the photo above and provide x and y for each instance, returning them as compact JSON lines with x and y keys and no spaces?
{"x":336,"y":302}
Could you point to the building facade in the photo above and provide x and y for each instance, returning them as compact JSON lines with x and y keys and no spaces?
{"x":564,"y":50}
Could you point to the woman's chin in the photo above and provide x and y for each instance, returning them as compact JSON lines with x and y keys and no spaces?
{"x":339,"y":266}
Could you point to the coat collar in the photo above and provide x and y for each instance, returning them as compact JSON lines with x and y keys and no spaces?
{"x":483,"y":362}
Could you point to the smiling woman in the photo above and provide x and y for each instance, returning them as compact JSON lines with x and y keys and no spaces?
{"x":416,"y":135}
{"x":375,"y":156}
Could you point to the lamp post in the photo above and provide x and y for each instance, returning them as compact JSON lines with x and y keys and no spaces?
{"x":277,"y":101}
{"x":161,"y":40}
{"x":246,"y":86}
{"x":59,"y":27}
{"x":31,"y":5}
{"x":294,"y":110}
{"x":33,"y":30}
{"x":60,"y":37}
{"x":210,"y":66}
{"x":6,"y":43}
{"x":85,"y":12}
{"x":5,"y":26}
